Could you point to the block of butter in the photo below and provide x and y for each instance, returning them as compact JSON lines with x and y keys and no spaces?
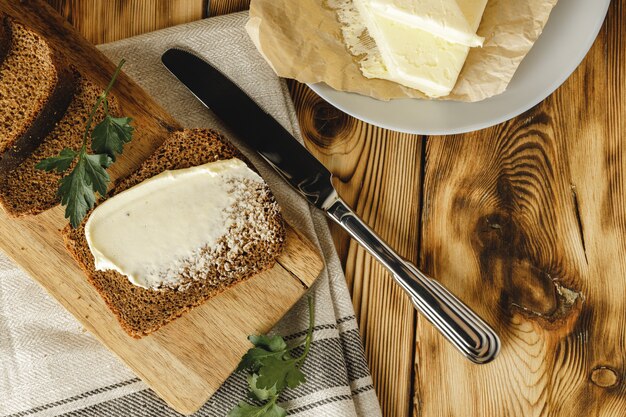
{"x":423,"y":44}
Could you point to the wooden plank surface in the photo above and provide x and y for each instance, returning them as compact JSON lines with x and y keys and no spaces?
{"x":102,"y":21}
{"x":194,"y":354}
{"x":526,"y":221}
{"x":530,"y":206}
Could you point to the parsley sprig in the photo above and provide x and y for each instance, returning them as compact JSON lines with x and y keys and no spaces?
{"x":77,"y":190}
{"x":271,"y":369}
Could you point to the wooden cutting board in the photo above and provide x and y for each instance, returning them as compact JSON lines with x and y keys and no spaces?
{"x":192,"y":356}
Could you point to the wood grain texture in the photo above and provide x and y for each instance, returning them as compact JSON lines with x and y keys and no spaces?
{"x":526,"y":222}
{"x":194,"y":354}
{"x":218,"y":7}
{"x":102,"y":21}
{"x":378,"y":173}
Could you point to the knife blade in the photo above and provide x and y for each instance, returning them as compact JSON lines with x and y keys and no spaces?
{"x":259,"y":130}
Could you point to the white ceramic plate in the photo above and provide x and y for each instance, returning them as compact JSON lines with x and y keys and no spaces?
{"x":566,"y":39}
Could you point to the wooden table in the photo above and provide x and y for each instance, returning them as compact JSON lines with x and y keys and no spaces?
{"x":525,"y":221}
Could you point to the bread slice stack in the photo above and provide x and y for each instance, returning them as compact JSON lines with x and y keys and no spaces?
{"x":254,"y":247}
{"x":44,"y":105}
{"x":40,"y":193}
{"x":36,"y":86}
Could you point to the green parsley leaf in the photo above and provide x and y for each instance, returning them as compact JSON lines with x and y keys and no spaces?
{"x":270,"y":409}
{"x":280,"y":374}
{"x":255,"y":357}
{"x":77,"y":190}
{"x":275,"y":411}
{"x":95,"y":172}
{"x":260,"y":394}
{"x":294,"y":377}
{"x":59,"y":163}
{"x":243,"y":409}
{"x":110,"y":135}
{"x":76,"y":194}
{"x":272,"y":369}
{"x":266,"y":346}
{"x":273,"y":343}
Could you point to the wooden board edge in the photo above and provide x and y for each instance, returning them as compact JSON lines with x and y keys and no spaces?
{"x":305,"y":268}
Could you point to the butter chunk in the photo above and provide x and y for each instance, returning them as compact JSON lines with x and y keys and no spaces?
{"x":441,"y":18}
{"x":413,"y":38}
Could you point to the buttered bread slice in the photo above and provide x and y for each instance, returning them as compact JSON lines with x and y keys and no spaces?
{"x":36,"y":86}
{"x":192,"y":221}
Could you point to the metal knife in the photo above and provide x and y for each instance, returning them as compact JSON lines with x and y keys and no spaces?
{"x":455,"y":320}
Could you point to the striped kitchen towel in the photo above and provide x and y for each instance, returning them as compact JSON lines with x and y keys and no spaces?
{"x":50,"y":366}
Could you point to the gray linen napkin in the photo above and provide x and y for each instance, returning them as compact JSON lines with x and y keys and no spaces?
{"x":50,"y":366}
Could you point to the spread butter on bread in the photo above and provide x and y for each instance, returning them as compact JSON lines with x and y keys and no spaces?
{"x":254,"y":238}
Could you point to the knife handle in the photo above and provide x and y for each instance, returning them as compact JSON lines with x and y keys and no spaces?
{"x":456,"y":321}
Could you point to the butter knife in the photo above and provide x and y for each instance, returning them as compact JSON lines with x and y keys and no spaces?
{"x":259,"y":130}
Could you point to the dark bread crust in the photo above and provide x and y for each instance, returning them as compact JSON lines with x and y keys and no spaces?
{"x":36,"y":86}
{"x":5,"y":38}
{"x":141,"y":311}
{"x":26,"y":190}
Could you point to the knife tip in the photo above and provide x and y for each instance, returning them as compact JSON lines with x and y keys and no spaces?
{"x":169,"y":53}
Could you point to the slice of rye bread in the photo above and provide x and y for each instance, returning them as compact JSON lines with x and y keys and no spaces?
{"x":26,"y":190}
{"x":36,"y":86}
{"x":244,"y":252}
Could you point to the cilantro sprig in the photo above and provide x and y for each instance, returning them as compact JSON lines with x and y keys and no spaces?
{"x":271,"y":369}
{"x":77,"y":190}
